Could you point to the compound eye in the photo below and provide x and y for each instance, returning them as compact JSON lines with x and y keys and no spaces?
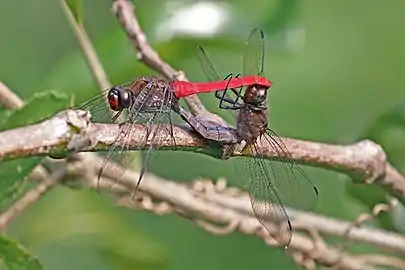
{"x":113,"y":100}
{"x":119,"y":98}
{"x":124,"y":98}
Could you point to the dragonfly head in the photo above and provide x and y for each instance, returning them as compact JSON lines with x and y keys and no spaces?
{"x":119,"y":98}
{"x":256,"y":97}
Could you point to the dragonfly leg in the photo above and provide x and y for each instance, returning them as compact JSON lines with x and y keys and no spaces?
{"x":232,"y":103}
{"x":143,"y":170}
{"x":100,"y":171}
{"x":171,"y":132}
{"x":221,"y":96}
{"x":231,"y":107}
{"x":148,"y":132}
{"x":228,"y":100}
{"x":238,"y":93}
{"x":115,"y":117}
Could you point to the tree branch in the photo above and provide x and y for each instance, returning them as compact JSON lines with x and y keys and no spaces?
{"x":72,"y":130}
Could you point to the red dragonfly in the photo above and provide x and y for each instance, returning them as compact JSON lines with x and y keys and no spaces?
{"x":271,"y":184}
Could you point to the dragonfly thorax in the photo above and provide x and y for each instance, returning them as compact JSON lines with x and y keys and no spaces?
{"x":251,"y":123}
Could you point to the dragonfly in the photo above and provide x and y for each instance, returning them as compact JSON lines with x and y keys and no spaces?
{"x":149,"y":100}
{"x":271,"y":185}
{"x":146,"y":101}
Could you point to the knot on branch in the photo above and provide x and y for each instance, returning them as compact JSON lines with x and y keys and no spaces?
{"x":373,"y":158}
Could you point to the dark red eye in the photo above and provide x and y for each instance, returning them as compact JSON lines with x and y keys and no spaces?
{"x":113,"y":100}
{"x":119,"y":98}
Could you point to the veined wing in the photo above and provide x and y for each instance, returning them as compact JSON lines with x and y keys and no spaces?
{"x":272,"y":185}
{"x":154,"y":115}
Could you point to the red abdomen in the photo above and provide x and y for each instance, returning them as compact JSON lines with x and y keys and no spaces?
{"x":183,"y":89}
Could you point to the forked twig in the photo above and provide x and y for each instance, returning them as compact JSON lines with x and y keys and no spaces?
{"x":360,"y":220}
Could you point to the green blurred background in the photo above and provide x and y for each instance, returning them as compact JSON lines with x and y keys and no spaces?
{"x":337,"y":71}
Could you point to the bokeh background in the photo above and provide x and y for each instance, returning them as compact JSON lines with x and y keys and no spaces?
{"x":338,"y":72}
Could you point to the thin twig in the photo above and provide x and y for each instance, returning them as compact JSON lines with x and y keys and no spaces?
{"x":8,"y":99}
{"x":360,"y":220}
{"x":87,"y":48}
{"x":325,"y":225}
{"x":383,"y":260}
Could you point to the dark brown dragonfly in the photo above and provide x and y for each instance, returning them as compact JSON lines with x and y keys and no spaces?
{"x":272,"y":185}
{"x":149,"y":101}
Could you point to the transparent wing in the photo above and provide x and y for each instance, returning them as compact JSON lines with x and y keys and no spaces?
{"x":206,"y":65}
{"x":151,"y":108}
{"x":97,"y":106}
{"x":296,"y":190}
{"x":253,"y":57}
{"x":226,"y":96}
{"x":265,"y":200}
{"x":99,"y":109}
{"x":273,"y":184}
{"x":159,"y":125}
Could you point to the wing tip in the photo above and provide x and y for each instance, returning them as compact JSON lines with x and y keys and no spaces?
{"x":316,"y":190}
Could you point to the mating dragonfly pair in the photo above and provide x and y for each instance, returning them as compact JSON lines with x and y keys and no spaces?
{"x":149,"y":101}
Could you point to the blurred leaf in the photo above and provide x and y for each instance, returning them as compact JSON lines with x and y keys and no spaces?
{"x":389,"y":131}
{"x":38,"y":107}
{"x":12,"y":175}
{"x":13,"y":172}
{"x":14,"y":256}
{"x":76,"y":7}
{"x":124,"y":253}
